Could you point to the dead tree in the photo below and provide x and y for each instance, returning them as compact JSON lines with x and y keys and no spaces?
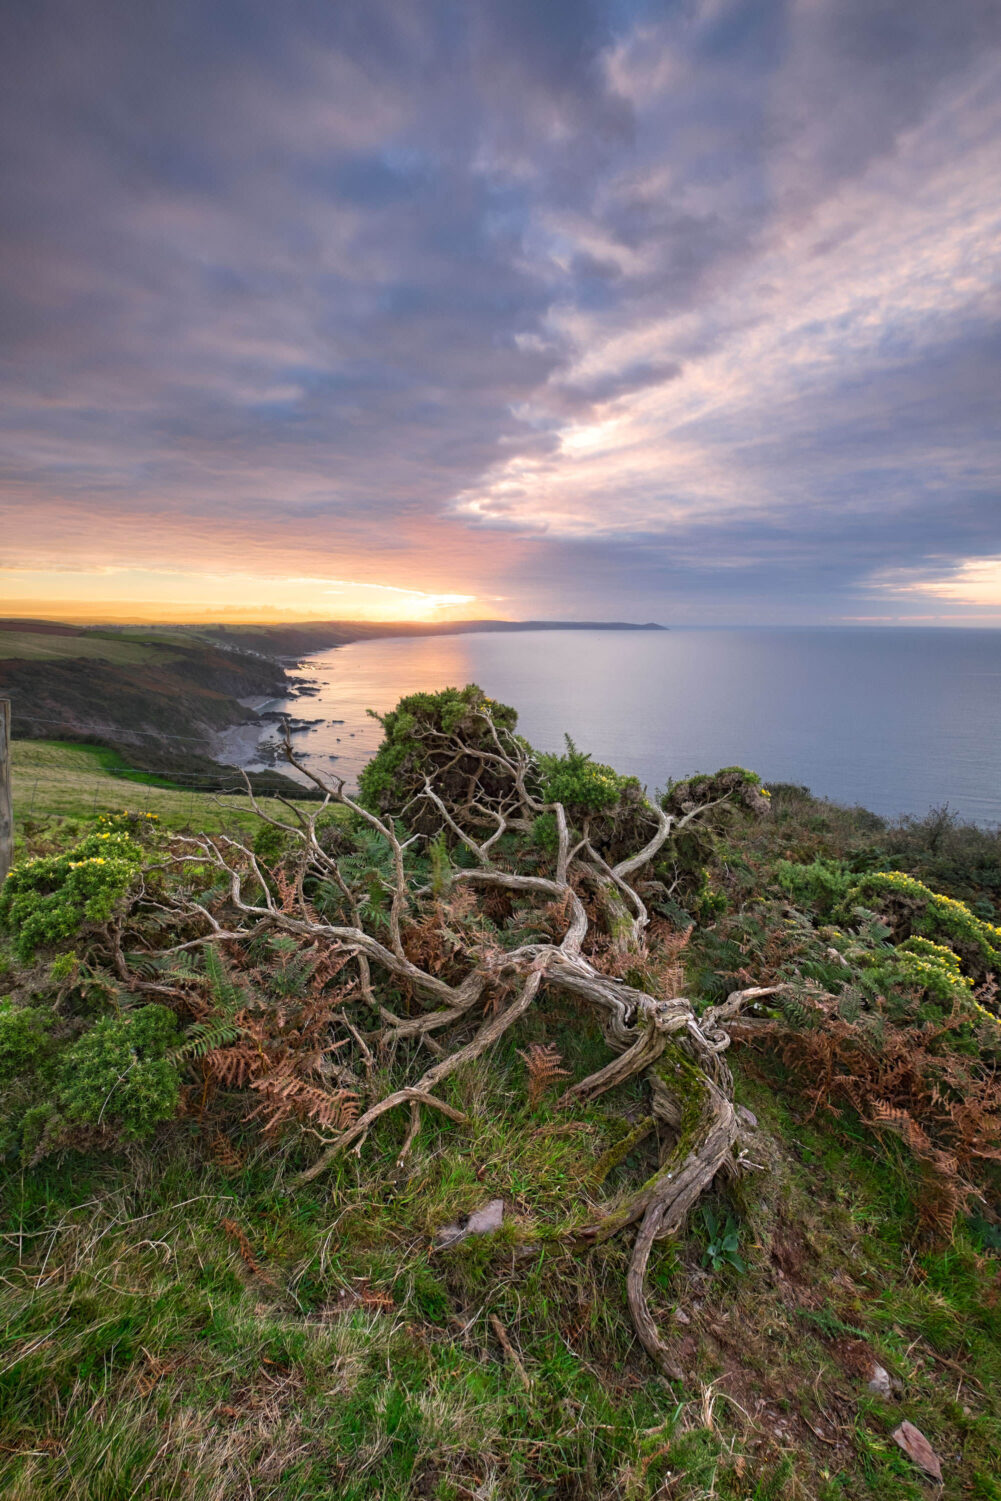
{"x":480,"y":787}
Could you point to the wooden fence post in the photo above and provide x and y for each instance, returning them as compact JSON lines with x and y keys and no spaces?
{"x":6,"y":804}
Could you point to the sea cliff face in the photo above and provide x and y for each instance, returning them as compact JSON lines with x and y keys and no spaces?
{"x":163,"y":708}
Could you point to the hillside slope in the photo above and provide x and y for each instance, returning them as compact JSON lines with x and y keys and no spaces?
{"x":185,"y":1317}
{"x":157,"y":698}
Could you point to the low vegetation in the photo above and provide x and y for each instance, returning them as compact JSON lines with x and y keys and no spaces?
{"x":503,"y":1132}
{"x":60,"y":788}
{"x":52,"y":646}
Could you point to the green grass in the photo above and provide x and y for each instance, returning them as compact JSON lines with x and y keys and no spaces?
{"x":179,"y":1322}
{"x":50,"y":647}
{"x":55,"y":779}
{"x":172,"y":1330}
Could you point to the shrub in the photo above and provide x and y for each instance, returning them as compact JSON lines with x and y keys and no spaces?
{"x":418,"y":742}
{"x":822,"y":885}
{"x":931,"y":974}
{"x":582,"y":785}
{"x":137,"y":825}
{"x":740,"y":787}
{"x":48,"y":900}
{"x":914,"y":910}
{"x":24,"y":1039}
{"x":117,"y":1075}
{"x":115,"y":1078}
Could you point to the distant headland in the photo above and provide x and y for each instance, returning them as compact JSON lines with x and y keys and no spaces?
{"x":316,"y":635}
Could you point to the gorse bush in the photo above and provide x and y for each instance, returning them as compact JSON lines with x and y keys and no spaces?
{"x":421,"y":738}
{"x":24,"y":1039}
{"x":912,"y":908}
{"x":943,"y":948}
{"x":920,"y":964}
{"x":114,"y":1078}
{"x":896,"y":1024}
{"x":117,"y":1073}
{"x":139,"y":826}
{"x":72,"y":1067}
{"x":822,"y":885}
{"x":581,"y":784}
{"x":46,"y":901}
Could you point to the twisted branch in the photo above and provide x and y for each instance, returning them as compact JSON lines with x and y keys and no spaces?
{"x":659,"y":1038}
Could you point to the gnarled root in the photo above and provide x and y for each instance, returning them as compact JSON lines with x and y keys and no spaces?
{"x":646,"y":1329}
{"x":707,"y":1126}
{"x":421,"y":1091}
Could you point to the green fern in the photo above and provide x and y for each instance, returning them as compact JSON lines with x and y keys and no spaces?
{"x":288,"y":978}
{"x":205,"y":1037}
{"x":850,"y":1003}
{"x":227,"y":995}
{"x":796,"y":1012}
{"x":872,"y":930}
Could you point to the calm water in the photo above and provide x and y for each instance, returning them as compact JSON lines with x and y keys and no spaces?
{"x":894,"y":719}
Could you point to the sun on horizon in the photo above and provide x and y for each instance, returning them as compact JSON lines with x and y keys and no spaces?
{"x":148,"y":597}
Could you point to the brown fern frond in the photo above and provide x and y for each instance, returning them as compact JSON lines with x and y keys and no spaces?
{"x":224,"y":1154}
{"x":233,"y":1066}
{"x":328,"y":966}
{"x":892,"y":1118}
{"x":544,"y":1066}
{"x":287,"y":1098}
{"x":942,"y":1196}
{"x":371,"y":1297}
{"x":944,"y":1106}
{"x":288,"y":885}
{"x":237,"y":1234}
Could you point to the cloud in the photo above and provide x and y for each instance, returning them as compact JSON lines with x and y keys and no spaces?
{"x":606,"y":308}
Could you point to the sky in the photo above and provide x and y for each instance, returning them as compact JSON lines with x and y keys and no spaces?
{"x":686,"y":312}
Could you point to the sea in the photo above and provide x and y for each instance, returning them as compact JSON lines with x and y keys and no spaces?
{"x":897,"y":720}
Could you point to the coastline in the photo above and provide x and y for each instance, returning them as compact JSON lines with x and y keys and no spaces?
{"x":723,"y":697}
{"x":239,"y":746}
{"x":249,"y":746}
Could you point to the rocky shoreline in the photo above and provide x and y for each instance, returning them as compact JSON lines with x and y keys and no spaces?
{"x":192,"y":700}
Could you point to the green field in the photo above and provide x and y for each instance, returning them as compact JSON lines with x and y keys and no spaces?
{"x":55,"y":779}
{"x":48,"y":646}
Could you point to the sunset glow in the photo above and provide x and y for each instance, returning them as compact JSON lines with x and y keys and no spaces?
{"x":593,"y":313}
{"x":147,"y":595}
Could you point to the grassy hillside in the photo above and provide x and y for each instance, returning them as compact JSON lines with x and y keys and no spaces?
{"x":59,"y":780}
{"x":184,"y":1318}
{"x":50,"y":646}
{"x":159,"y":698}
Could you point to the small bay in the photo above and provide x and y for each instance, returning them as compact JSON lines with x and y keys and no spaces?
{"x":895,"y":719}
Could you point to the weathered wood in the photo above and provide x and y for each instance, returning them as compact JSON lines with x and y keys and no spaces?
{"x":6,"y":800}
{"x":661,"y":1037}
